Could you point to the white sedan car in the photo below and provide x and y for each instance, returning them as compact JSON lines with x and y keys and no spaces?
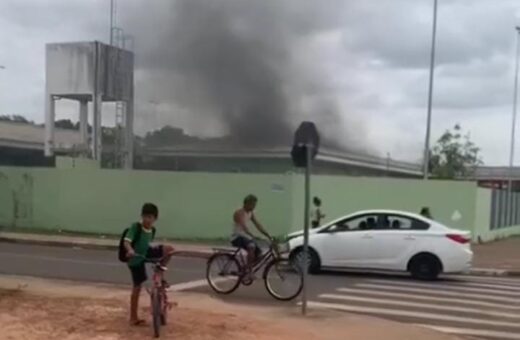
{"x":386,"y":240}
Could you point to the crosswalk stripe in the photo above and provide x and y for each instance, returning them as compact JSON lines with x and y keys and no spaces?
{"x":418,"y":305}
{"x":488,"y":285}
{"x":412,"y":314}
{"x":443,"y":287}
{"x":474,"y":332}
{"x":436,"y":291}
{"x":502,"y":280}
{"x":428,"y":298}
{"x":188,"y":285}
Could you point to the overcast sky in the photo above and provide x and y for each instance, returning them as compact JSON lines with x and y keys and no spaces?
{"x":375,"y":56}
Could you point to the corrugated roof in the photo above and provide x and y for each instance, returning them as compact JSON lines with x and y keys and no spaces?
{"x":497,"y":173}
{"x":325,"y":155}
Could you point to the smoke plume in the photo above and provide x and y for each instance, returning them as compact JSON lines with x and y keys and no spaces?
{"x":244,"y":67}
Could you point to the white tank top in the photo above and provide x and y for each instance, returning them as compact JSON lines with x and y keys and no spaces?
{"x":238,"y":230}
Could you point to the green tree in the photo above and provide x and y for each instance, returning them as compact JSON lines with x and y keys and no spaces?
{"x":15,"y":118}
{"x":454,"y":155}
{"x":66,"y":124}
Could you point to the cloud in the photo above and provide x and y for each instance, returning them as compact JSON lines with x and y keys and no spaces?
{"x":365,"y":60}
{"x":27,"y":25}
{"x":398,"y":32}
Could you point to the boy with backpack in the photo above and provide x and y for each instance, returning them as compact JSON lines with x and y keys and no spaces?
{"x":135,"y":248}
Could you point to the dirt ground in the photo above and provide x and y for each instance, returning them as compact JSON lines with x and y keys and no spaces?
{"x":30,"y":317}
{"x":40,"y":312}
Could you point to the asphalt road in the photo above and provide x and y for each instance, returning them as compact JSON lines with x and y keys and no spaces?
{"x":84,"y":264}
{"x":478,"y":307}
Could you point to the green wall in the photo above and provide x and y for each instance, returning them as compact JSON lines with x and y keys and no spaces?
{"x":199,"y":205}
{"x":344,"y":195}
{"x":192,"y":205}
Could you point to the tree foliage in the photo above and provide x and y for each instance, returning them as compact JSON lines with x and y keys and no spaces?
{"x":14,"y":118}
{"x":66,"y":124}
{"x":454,"y":155}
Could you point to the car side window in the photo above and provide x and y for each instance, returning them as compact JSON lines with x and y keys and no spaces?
{"x":406,"y":223}
{"x":358,"y":223}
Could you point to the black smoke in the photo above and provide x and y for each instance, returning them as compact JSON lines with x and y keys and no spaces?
{"x":243,"y":63}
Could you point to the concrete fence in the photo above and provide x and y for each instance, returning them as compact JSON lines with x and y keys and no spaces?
{"x":200,"y":205}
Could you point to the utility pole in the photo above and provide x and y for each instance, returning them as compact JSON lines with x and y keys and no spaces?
{"x":509,"y":209}
{"x":430,"y":94}
{"x":112,"y":21}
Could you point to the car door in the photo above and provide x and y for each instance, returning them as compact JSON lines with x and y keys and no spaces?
{"x":344,"y":244}
{"x":393,"y":240}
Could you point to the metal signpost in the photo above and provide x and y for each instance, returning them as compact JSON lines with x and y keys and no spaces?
{"x":304,"y":150}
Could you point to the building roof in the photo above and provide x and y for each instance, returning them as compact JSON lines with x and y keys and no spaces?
{"x":325,"y":155}
{"x":497,"y":173}
{"x":30,"y":136}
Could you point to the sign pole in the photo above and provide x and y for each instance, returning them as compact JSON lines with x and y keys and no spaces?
{"x":306,"y":261}
{"x":305,"y":147}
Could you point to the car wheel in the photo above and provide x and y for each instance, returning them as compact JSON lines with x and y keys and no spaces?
{"x":313,"y":260}
{"x":425,"y":267}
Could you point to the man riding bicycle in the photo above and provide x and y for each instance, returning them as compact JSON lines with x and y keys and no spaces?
{"x":242,"y":236}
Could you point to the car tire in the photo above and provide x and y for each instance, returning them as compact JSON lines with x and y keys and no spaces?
{"x":425,"y":267}
{"x":313,"y":261}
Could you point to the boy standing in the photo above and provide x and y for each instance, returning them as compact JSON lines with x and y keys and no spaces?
{"x":138,"y":249}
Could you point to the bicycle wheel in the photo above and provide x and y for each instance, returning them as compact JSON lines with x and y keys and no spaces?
{"x":156,"y":312}
{"x":283,"y":280}
{"x":164,"y":311}
{"x":223,"y":273}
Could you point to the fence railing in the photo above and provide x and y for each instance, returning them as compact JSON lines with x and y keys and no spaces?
{"x":504,"y":212}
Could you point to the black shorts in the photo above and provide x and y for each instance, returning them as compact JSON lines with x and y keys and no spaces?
{"x":244,"y":243}
{"x":139,"y":272}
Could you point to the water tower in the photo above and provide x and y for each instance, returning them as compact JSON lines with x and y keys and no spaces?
{"x":91,"y":72}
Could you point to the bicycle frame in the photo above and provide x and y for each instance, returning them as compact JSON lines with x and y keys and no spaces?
{"x":230,"y":262}
{"x":158,"y":283}
{"x":261,"y":261}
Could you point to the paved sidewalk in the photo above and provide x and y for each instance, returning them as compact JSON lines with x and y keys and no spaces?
{"x":182,"y":249}
{"x":502,"y":255}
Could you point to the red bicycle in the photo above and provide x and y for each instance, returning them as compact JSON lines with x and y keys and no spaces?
{"x":158,"y":297}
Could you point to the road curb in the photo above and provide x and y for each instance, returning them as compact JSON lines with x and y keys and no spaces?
{"x":493,"y":272}
{"x":85,"y":245}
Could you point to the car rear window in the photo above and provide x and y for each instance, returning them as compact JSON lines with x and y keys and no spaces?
{"x":406,"y":223}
